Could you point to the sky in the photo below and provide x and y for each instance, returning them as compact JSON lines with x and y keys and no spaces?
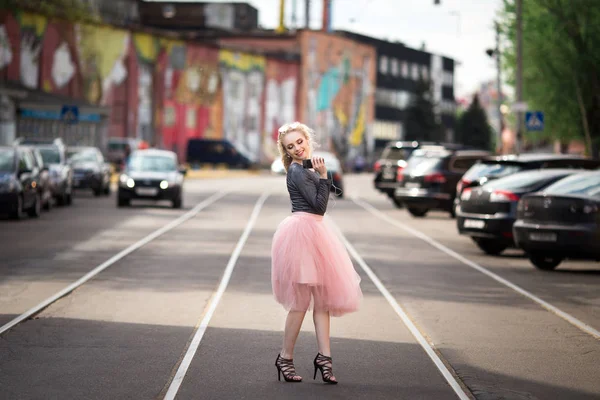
{"x":459,"y":29}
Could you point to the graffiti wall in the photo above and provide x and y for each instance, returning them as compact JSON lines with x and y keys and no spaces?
{"x":337,"y":90}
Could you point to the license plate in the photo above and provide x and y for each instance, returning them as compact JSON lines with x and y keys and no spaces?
{"x":543,"y":237}
{"x":147,"y":191}
{"x":474,"y":224}
{"x":412,"y":185}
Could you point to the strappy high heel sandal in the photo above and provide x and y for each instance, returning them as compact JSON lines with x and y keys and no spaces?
{"x":286,"y":367}
{"x":325,"y":365}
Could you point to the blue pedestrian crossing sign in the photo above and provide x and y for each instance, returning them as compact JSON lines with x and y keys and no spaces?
{"x":534,"y":120}
{"x":69,"y":114}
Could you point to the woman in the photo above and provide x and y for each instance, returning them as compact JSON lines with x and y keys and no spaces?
{"x":311,"y":268}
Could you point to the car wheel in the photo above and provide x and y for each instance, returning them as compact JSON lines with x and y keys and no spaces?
{"x":69,"y":199}
{"x":418,"y":212}
{"x":36,"y":209}
{"x":107,"y":190}
{"x":18,"y":213}
{"x":98,"y":192}
{"x":545,"y":262}
{"x":492,"y":247}
{"x":397,"y":202}
{"x":177,"y":203}
{"x":123,"y":202}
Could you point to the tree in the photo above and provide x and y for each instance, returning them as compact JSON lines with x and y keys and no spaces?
{"x":420,"y":120}
{"x":71,"y":10}
{"x":561,"y":65}
{"x":473,"y":128}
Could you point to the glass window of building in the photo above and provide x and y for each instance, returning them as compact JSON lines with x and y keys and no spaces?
{"x":394,"y":67}
{"x":415,"y":72}
{"x":383,"y":64}
{"x":404,"y":68}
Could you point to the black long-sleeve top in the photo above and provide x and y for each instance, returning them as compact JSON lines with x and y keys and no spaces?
{"x":308,"y":192}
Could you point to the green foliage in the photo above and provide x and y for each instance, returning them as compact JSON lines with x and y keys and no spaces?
{"x":561,"y":63}
{"x":71,"y":10}
{"x":473,"y":128}
{"x":420,"y":120}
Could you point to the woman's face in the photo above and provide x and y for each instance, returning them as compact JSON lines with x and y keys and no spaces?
{"x":296,"y":145}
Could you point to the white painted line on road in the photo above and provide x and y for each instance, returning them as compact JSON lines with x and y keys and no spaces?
{"x":190,"y":214}
{"x":214,"y":302}
{"x":405,"y":318}
{"x":567,"y":317}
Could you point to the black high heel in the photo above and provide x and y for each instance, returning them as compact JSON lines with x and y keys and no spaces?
{"x":286,"y":367}
{"x":325,"y":365}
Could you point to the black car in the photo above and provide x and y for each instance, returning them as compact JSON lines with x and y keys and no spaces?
{"x":487,"y":213}
{"x":44,"y":188}
{"x":495,"y":167}
{"x":89,"y":170}
{"x":19,"y":180}
{"x":562,"y":221}
{"x":152,"y":175}
{"x":429,"y":180}
{"x":212,"y":151}
{"x":392,"y":161}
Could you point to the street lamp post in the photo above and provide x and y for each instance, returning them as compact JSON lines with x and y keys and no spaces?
{"x":519,"y":75}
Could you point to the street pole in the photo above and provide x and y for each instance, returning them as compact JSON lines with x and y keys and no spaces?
{"x":518,"y":142}
{"x":499,"y":86}
{"x":281,"y":26}
{"x":307,"y":14}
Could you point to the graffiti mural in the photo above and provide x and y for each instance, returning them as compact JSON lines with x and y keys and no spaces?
{"x":279,"y":104}
{"x":243,"y":85}
{"x":339,"y":80}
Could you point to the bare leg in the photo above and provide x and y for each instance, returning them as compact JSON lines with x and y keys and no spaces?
{"x":293,"y":323}
{"x":322,"y":326}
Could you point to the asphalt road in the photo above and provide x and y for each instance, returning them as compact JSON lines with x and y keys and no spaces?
{"x":181,"y":305}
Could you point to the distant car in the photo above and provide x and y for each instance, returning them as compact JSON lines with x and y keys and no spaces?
{"x":19,"y":180}
{"x":116,"y":149}
{"x":487,"y":213}
{"x":334,"y":170}
{"x":89,"y":170}
{"x":495,"y":167}
{"x":209,"y":151}
{"x":391,"y":162}
{"x":428,"y":182}
{"x":45,"y":186}
{"x":151,"y":175}
{"x":562,"y":221}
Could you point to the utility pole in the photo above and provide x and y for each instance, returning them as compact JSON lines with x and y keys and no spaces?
{"x":281,"y":27}
{"x":519,"y":138}
{"x":307,"y":14}
{"x":499,"y":85}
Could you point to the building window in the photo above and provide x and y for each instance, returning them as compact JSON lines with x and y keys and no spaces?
{"x":383,"y":65}
{"x":425,"y":72}
{"x":404,"y":69}
{"x":394,"y":67}
{"x":415,"y":72}
{"x":448,"y":78}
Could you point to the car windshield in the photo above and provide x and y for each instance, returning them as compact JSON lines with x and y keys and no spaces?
{"x":7,"y":160}
{"x":580,"y":185}
{"x":523,"y":180}
{"x":82,"y":156}
{"x":490,"y":170}
{"x":421,"y":163}
{"x":152,"y":164}
{"x":396,"y":154}
{"x":50,"y":156}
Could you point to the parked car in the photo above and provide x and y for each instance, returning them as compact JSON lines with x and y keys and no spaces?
{"x":89,"y":169}
{"x":562,"y":221}
{"x":152,"y":175}
{"x":428,"y":182}
{"x":392,"y":161}
{"x":44,"y":187}
{"x":54,"y":156}
{"x":487,"y":213}
{"x":19,"y":180}
{"x":334,"y":170}
{"x":495,"y":167}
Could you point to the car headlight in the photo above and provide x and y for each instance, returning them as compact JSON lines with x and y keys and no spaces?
{"x":164,"y":184}
{"x":125,"y":180}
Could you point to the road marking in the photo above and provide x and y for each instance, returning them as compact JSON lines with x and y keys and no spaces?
{"x":567,"y":317}
{"x":405,"y":319}
{"x":214,"y":302}
{"x":190,"y":214}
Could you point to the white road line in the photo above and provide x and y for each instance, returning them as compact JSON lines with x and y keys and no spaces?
{"x":190,"y":214}
{"x":405,"y":318}
{"x":214,"y":302}
{"x":567,"y":317}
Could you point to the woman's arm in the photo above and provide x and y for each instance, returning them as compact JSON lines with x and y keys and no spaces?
{"x":316,"y":195}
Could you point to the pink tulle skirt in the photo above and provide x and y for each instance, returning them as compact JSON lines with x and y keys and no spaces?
{"x":311,"y":267}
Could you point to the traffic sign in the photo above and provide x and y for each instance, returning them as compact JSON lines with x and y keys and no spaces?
{"x":534,"y":120}
{"x":69,"y":114}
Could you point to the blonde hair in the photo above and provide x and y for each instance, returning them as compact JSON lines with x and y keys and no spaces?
{"x":308,"y":133}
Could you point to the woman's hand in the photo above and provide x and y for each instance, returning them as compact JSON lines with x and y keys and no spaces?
{"x":319,"y":166}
